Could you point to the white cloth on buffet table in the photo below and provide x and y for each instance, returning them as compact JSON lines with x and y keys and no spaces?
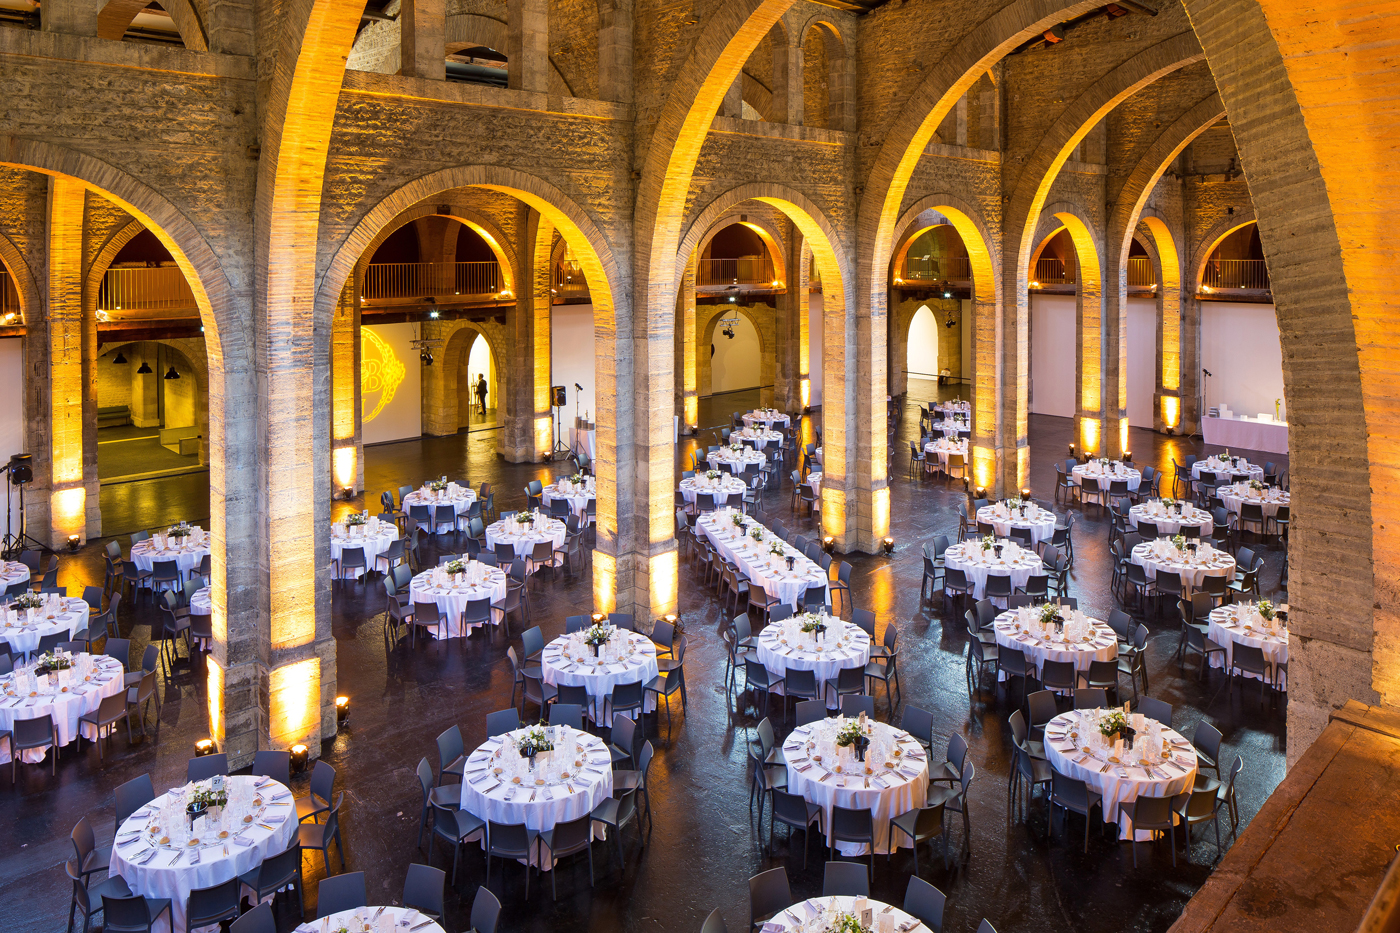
{"x":169,"y":872}
{"x":1065,"y":738}
{"x":1225,"y":468}
{"x":628,"y":658}
{"x":1040,"y":522}
{"x":756,"y":561}
{"x":767,"y":417}
{"x":499,"y":798}
{"x":452,"y":593}
{"x":23,"y":629}
{"x":65,"y":696}
{"x":1240,"y":623}
{"x":1161,"y":554}
{"x":885,"y":918}
{"x":1089,"y":639}
{"x":783,"y":646}
{"x":374,"y":536}
{"x":727,"y":486}
{"x":886,"y":793}
{"x":459,"y":497}
{"x":12,"y":572}
{"x":759,"y":437}
{"x":1169,"y":521}
{"x":735,"y":459}
{"x":1016,"y":562}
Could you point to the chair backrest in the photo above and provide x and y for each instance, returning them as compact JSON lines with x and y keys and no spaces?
{"x":1207,"y":738}
{"x":532,"y":640}
{"x":866,"y":620}
{"x":570,"y":714}
{"x":274,"y":764}
{"x":624,"y":734}
{"x":810,"y":711}
{"x":622,"y":620}
{"x":206,"y":766}
{"x":925,"y":902}
{"x":1153,"y":708}
{"x":257,"y":920}
{"x":341,"y":892}
{"x":918,"y":722}
{"x":450,"y":747}
{"x":714,"y":923}
{"x":424,"y":889}
{"x":853,"y":704}
{"x":126,"y":913}
{"x":132,"y":796}
{"x":769,"y":893}
{"x":1090,"y":698}
{"x":502,"y":721}
{"x":1041,"y":705}
{"x":845,"y":879}
{"x":486,"y":910}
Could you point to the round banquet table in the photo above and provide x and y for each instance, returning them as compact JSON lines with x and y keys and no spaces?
{"x":578,"y":498}
{"x":145,"y":554}
{"x":155,"y":870}
{"x":24,"y":632}
{"x":374,"y":920}
{"x":12,"y":572}
{"x":374,"y":537}
{"x":1223,"y":469}
{"x":943,"y":448}
{"x":948,"y":408}
{"x":1121,"y":783}
{"x":949,"y":428}
{"x":1161,"y":555}
{"x":568,"y":662}
{"x":480,"y":581}
{"x":757,"y":563}
{"x":783,"y":646}
{"x":1270,"y":499}
{"x":727,"y":487}
{"x":766,"y":418}
{"x":1012,"y":630}
{"x":1240,"y":624}
{"x":969,"y":557}
{"x":492,"y":796}
{"x":525,"y":537}
{"x":201,"y":602}
{"x":759,"y":437}
{"x":459,"y":497}
{"x":814,"y":479}
{"x":817,"y":455}
{"x":885,"y":792}
{"x":64,"y":705}
{"x":1094,"y":470}
{"x":886,"y":918}
{"x":1040,"y":522}
{"x":737,"y":460}
{"x":1168,"y":521}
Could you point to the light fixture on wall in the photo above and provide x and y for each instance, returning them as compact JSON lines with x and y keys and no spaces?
{"x":727,"y":325}
{"x":144,"y":369}
{"x":119,"y":360}
{"x":171,"y":373}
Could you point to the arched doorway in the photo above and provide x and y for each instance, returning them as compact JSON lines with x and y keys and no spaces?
{"x":922,"y":360}
{"x":477,"y":409}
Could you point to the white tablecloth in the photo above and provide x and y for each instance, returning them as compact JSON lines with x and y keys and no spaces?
{"x":1269,"y":436}
{"x":1227,"y":628}
{"x":947,"y":408}
{"x":978,"y":564}
{"x":391,"y":918}
{"x":757,"y":563}
{"x":1115,"y":471}
{"x":25,"y":633}
{"x":759,"y":437}
{"x":813,"y":910}
{"x":201,"y":602}
{"x":12,"y":572}
{"x":723,"y":489}
{"x":1160,"y":555}
{"x":525,"y":537}
{"x":783,"y":647}
{"x":1012,"y":632}
{"x":1041,"y":522}
{"x":942,"y":449}
{"x":65,"y":706}
{"x":599,"y":679}
{"x":766,"y":418}
{"x":814,"y":479}
{"x":907,"y":784}
{"x":452,"y":598}
{"x":374,"y":544}
{"x":949,"y":428}
{"x":1223,"y":470}
{"x":459,"y":497}
{"x":1271,"y":498}
{"x":1168,"y":521}
{"x":577,"y":498}
{"x":169,"y":872}
{"x":1120,"y":783}
{"x":145,"y":555}
{"x":496,"y":797}
{"x":737,"y":460}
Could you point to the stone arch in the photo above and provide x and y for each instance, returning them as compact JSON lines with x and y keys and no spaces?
{"x":1213,"y":238}
{"x":465,"y":30}
{"x":480,"y":224}
{"x":21,"y":275}
{"x":92,"y":282}
{"x":704,"y":385}
{"x":115,"y":18}
{"x":196,"y":354}
{"x":772,"y":240}
{"x":446,"y":415}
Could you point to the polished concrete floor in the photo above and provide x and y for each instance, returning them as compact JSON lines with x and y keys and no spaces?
{"x":705,"y":843}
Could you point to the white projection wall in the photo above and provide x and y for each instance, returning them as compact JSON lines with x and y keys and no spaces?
{"x":1142,"y":360}
{"x":391,"y":374}
{"x":571,"y":357}
{"x":922,"y":359}
{"x":1052,"y":354}
{"x":12,"y":415}
{"x":814,"y":349}
{"x":1239,"y":344}
{"x":735,"y":363}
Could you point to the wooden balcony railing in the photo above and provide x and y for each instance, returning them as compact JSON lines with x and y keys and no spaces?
{"x":746,"y":270}
{"x":442,"y":280}
{"x":1141,"y":274}
{"x":950,"y":268}
{"x":1052,"y":272}
{"x":1235,"y":273}
{"x":150,"y":288}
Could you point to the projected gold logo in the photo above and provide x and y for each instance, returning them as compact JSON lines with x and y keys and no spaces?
{"x":381,"y":373}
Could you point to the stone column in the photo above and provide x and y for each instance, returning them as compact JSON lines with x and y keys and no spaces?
{"x":529,"y":427}
{"x":1191,"y":375}
{"x":1114,"y":305}
{"x":787,"y":78}
{"x":347,"y":441}
{"x":689,"y":350}
{"x":615,"y":51}
{"x":789,"y":316}
{"x":527,"y":45}
{"x":422,"y":39}
{"x":63,"y":323}
{"x":733,"y":104}
{"x":73,"y":17}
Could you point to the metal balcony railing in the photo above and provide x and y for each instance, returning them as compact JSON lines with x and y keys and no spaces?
{"x":1052,"y":272}
{"x":951,"y":268}
{"x":442,"y":280}
{"x":1141,"y":274}
{"x":9,"y":297}
{"x":569,"y":283}
{"x":1235,"y":273}
{"x":746,"y":270}
{"x":150,"y":288}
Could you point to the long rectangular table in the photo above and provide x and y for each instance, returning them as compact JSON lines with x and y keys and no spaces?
{"x":1270,"y":436}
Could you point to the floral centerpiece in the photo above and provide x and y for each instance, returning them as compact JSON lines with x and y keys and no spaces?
{"x":596,"y":636}
{"x":28,"y":601}
{"x":1050,"y":614}
{"x":811,"y":622}
{"x":437,"y":485}
{"x":756,"y":534}
{"x":533,"y":739}
{"x":735,"y":448}
{"x":712,"y":474}
{"x":1168,"y":503}
{"x":455,"y":567}
{"x":847,"y":923}
{"x":1014,"y":503}
{"x":209,"y":796}
{"x":738,"y":518}
{"x":356,"y":518}
{"x":776,"y":548}
{"x":1266,"y":610}
{"x":1255,"y":485}
{"x":576,"y":479}
{"x":1104,"y":462}
{"x":1179,"y":542}
{"x":525,"y":517}
{"x":988,"y":542}
{"x":53,"y":661}
{"x":181,"y":530}
{"x":849,"y":734}
{"x":1113,"y":724}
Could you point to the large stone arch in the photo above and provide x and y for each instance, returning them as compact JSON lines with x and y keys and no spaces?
{"x":92,"y":282}
{"x":22,"y":276}
{"x":441,"y":412}
{"x":115,"y":17}
{"x":772,"y":237}
{"x":706,"y":336}
{"x":480,"y":224}
{"x":1322,"y":177}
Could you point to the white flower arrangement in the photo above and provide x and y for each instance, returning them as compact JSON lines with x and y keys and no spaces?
{"x":536,"y":737}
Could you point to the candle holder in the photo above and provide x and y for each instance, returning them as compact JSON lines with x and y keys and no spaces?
{"x":791,"y":561}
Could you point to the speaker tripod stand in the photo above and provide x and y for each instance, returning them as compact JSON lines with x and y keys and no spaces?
{"x":12,"y":545}
{"x":561,"y":450}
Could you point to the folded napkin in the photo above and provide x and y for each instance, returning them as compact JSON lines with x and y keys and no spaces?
{"x":241,"y":841}
{"x":194,"y":857}
{"x":274,"y":820}
{"x":282,"y":796}
{"x":150,"y":854}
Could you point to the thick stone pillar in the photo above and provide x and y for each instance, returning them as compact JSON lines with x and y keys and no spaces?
{"x":1114,"y":308}
{"x":527,"y":45}
{"x":615,"y":51}
{"x":787,"y":78}
{"x":1192,"y":378}
{"x":529,"y":419}
{"x":689,"y":349}
{"x":347,"y":441}
{"x":422,"y":39}
{"x":72,"y":17}
{"x":789,"y":317}
{"x":63,"y":323}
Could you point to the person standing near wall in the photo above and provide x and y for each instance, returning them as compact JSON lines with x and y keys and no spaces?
{"x":481,"y":392}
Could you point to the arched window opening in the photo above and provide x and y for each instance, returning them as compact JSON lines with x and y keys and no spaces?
{"x":734,"y":354}
{"x":735,"y":257}
{"x":1236,"y":265}
{"x":570,"y":286}
{"x":1056,"y":264}
{"x":477,"y":408}
{"x":144,"y":281}
{"x":818,"y":58}
{"x":1141,"y":272}
{"x":478,"y":64}
{"x":934,"y":256}
{"x":922,"y":360}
